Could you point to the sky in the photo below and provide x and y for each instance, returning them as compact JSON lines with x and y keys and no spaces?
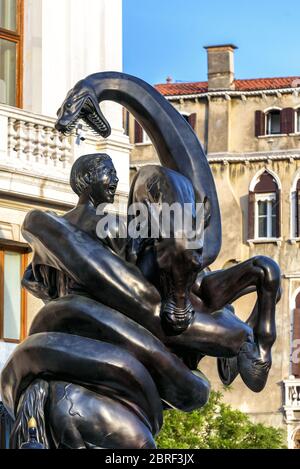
{"x":166,"y":37}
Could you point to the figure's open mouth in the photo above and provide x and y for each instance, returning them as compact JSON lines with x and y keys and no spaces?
{"x":90,"y":115}
{"x":112,"y":189}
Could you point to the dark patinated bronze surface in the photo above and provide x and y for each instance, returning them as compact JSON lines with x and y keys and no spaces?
{"x":127,"y":321}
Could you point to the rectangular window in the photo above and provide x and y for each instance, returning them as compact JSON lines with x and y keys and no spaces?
{"x":126,"y":121}
{"x":12,"y":295}
{"x":298,"y":121}
{"x":146,"y":138}
{"x":266,"y":215}
{"x":11,"y":36}
{"x":273,"y":122}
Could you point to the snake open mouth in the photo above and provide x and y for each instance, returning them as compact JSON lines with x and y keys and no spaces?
{"x":89,"y":112}
{"x":93,"y":119}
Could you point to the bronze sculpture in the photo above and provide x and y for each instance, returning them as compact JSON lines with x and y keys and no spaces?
{"x":127,"y":321}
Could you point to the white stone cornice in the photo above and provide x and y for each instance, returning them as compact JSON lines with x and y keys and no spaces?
{"x":289,"y":155}
{"x":292,"y":275}
{"x":225,"y":158}
{"x":233,"y":94}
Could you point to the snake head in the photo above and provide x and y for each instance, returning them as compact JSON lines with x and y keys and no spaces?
{"x":81,"y":103}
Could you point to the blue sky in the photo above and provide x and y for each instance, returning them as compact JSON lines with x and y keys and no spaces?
{"x":166,"y":37}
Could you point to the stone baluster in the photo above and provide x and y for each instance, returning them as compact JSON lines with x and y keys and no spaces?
{"x":288,"y":394}
{"x":11,"y":134}
{"x":30,"y":143}
{"x":48,"y":144}
{"x":66,"y":151}
{"x":294,"y":395}
{"x":21,"y":139}
{"x":39,"y":143}
{"x":57,"y":148}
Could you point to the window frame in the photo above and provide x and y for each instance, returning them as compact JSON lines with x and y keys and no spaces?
{"x":264,"y":197}
{"x":145,"y":137}
{"x":23,"y":313}
{"x":17,"y":37}
{"x":295,"y":209}
{"x":297,"y":120}
{"x":268,"y":119}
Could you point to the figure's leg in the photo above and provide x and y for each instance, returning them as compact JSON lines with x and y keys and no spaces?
{"x":81,"y":419}
{"x":222,"y":287}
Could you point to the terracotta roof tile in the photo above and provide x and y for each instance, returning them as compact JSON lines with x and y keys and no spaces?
{"x":254,"y":84}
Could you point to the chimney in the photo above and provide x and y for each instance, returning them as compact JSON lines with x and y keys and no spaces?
{"x":220,"y":60}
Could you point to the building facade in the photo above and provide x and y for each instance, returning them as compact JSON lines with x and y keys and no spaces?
{"x":45,"y":48}
{"x":251,"y":132}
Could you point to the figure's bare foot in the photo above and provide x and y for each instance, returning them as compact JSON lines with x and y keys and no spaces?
{"x":227,"y":369}
{"x":253,"y":369}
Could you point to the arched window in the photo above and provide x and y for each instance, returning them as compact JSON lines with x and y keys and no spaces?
{"x":296,"y":211}
{"x":264,"y":208}
{"x":273,"y":122}
{"x":296,"y":338}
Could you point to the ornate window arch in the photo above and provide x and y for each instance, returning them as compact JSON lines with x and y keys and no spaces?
{"x":264,"y":206}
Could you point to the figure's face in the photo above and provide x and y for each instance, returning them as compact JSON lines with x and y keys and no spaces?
{"x":104,"y":188}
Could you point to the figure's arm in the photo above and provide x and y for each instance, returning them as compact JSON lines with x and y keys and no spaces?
{"x":103,"y":274}
{"x":36,"y":285}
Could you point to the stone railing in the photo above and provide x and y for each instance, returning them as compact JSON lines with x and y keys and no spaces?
{"x":35,"y":159}
{"x":292,"y":399}
{"x":29,"y":142}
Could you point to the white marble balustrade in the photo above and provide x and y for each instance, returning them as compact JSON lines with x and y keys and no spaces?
{"x":292,"y":393}
{"x":32,"y":144}
{"x":291,"y":404}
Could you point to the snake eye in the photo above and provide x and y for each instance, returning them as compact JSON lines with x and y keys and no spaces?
{"x":69,"y":104}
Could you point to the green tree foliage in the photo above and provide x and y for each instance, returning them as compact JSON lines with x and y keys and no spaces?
{"x":216,"y":426}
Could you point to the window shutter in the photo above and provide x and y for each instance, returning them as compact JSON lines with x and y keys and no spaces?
{"x":192,"y":120}
{"x":296,"y":336}
{"x":126,"y":121}
{"x":287,"y":121}
{"x":259,"y":123}
{"x":278,"y":214}
{"x":251,"y":210}
{"x":298,"y":213}
{"x":138,"y":133}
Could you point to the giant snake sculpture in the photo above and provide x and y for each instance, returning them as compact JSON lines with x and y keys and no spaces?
{"x":122,"y":332}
